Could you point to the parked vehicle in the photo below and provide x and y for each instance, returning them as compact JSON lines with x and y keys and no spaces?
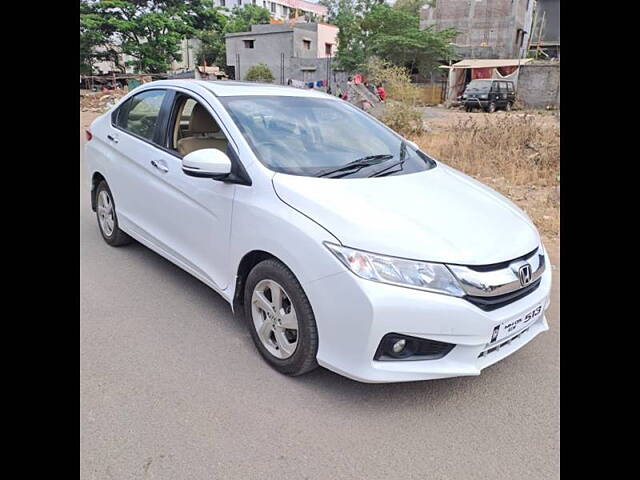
{"x":339,"y":243}
{"x":489,"y":95}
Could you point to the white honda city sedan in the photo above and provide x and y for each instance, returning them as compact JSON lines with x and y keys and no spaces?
{"x":340,"y":243}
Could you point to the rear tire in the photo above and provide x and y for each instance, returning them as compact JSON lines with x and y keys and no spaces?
{"x":508,"y":107}
{"x":492,"y":107}
{"x":107,"y":218}
{"x":280,"y":318}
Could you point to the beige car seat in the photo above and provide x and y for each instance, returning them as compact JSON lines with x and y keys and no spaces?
{"x":205,"y":133}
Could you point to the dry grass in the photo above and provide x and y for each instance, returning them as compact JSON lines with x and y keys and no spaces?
{"x":516,"y":154}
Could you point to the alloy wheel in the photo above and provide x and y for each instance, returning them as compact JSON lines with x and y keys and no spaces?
{"x":106,"y":216}
{"x":274,"y":319}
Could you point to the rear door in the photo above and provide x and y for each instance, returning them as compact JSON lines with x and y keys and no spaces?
{"x":494,"y":93}
{"x":511,"y":95}
{"x":504,"y":93}
{"x":133,"y":138}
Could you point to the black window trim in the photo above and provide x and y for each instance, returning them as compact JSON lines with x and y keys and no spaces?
{"x":116,"y":113}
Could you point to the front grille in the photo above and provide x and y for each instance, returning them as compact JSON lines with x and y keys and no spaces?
{"x":492,"y":303}
{"x":496,"y":285}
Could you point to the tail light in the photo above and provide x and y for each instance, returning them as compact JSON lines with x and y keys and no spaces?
{"x":88,"y":134}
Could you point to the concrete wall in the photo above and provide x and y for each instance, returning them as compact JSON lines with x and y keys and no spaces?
{"x":488,"y":28}
{"x":327,"y":34}
{"x":271,"y":41}
{"x":539,"y":84}
{"x":268,"y":48}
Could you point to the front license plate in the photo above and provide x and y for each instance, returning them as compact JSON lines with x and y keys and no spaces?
{"x":511,"y":327}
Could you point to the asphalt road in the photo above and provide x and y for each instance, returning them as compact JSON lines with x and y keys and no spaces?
{"x":171,"y":387}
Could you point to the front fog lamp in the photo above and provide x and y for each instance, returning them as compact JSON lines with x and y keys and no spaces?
{"x":431,"y":277}
{"x":399,"y":346}
{"x":396,"y":346}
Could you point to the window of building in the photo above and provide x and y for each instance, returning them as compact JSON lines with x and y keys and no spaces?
{"x":255,"y":2}
{"x":239,"y":3}
{"x":273,"y":7}
{"x":223,"y":3}
{"x":327,"y":49}
{"x":306,"y":44}
{"x":249,"y":43}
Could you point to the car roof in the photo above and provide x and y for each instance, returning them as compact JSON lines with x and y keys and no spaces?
{"x":227,"y":88}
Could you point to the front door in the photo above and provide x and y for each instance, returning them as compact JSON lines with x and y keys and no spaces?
{"x":192,"y":215}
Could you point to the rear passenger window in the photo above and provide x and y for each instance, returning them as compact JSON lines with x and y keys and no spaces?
{"x":140,"y":113}
{"x":510,"y":87}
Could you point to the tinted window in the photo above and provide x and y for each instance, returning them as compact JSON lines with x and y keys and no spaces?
{"x":495,"y":87}
{"x":140,"y":113}
{"x":309,"y":136}
{"x":509,"y":87}
{"x":503,"y":86}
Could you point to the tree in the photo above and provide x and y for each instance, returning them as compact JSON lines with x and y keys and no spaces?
{"x":373,"y":28}
{"x":259,"y":73}
{"x":150,"y":31}
{"x":242,"y":18}
{"x":395,"y":35}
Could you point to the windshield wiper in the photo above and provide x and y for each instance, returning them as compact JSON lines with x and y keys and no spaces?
{"x":403,"y":154}
{"x":356,"y":164}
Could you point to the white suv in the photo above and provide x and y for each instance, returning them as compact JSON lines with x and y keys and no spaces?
{"x":339,"y":242}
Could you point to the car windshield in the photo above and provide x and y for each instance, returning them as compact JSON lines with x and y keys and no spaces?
{"x":321,"y":137}
{"x":478,"y":86}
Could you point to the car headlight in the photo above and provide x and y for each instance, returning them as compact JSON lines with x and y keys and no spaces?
{"x":484,"y":96}
{"x":431,"y":277}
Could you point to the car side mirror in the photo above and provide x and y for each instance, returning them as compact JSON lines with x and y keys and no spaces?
{"x":207,"y":163}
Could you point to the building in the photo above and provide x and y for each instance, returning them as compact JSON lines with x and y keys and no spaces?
{"x":281,"y":9}
{"x":488,"y":28}
{"x":545,"y":34}
{"x":297,"y":51}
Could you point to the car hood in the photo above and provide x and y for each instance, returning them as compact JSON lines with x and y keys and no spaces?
{"x":438,"y":215}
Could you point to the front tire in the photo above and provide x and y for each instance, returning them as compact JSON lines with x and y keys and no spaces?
{"x":492,"y":107}
{"x":107,"y":218}
{"x":280,"y":318}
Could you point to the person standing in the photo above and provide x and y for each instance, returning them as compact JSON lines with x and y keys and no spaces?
{"x":381,"y":93}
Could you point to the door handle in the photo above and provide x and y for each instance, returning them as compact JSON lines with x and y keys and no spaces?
{"x":112,"y":138}
{"x":159,"y":165}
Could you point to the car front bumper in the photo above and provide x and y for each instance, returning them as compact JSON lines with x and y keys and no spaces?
{"x":475,"y":102}
{"x":353,"y":314}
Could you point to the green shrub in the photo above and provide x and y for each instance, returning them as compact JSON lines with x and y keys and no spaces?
{"x":259,"y":73}
{"x":403,"y":118}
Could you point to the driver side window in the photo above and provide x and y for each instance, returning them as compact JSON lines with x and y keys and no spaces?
{"x":194,"y":128}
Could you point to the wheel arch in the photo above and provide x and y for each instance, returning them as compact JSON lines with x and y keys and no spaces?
{"x":246,"y":264}
{"x":96,"y":178}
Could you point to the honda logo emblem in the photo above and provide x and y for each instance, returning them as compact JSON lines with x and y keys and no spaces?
{"x":525,"y":274}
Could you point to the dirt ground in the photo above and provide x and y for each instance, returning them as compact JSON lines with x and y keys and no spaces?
{"x":515,"y":153}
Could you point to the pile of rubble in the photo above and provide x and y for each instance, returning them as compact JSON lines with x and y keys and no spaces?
{"x":100,"y":101}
